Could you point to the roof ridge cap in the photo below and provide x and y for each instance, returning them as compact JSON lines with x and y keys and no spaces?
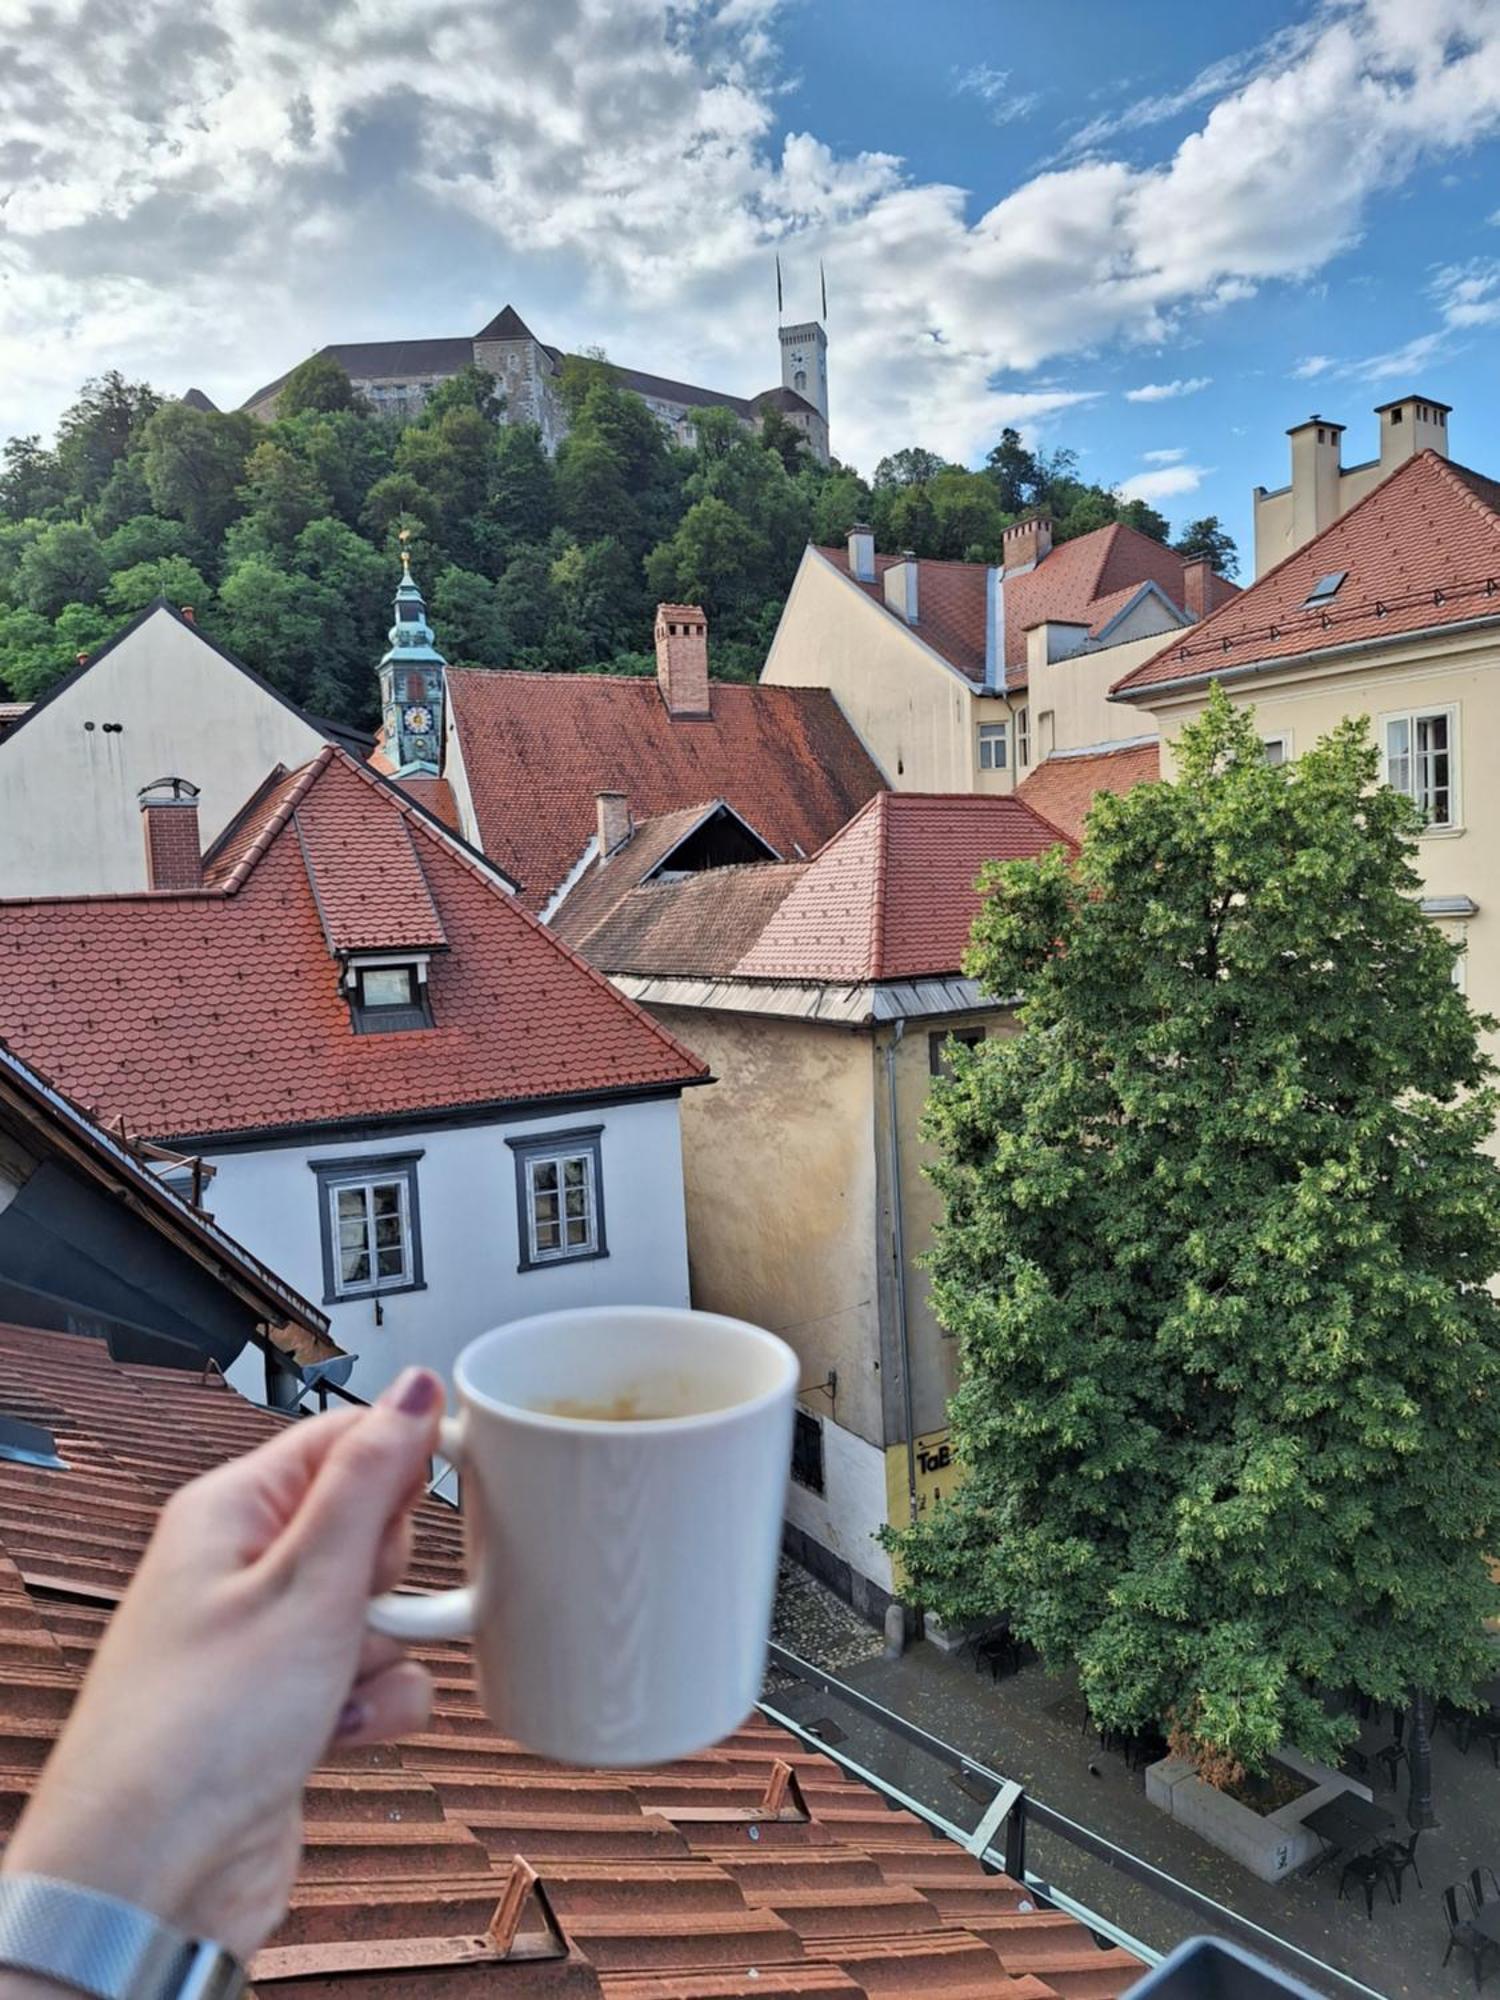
{"x":1451,"y":477}
{"x":301,"y":785}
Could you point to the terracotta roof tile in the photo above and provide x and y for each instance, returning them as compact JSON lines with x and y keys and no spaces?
{"x":1063,"y":788}
{"x":892,"y":896}
{"x":537,"y":747}
{"x":1086,"y":581}
{"x":436,"y":794}
{"x":1421,"y":549}
{"x":220,"y":1011}
{"x":411,"y":1845}
{"x":605,"y":884}
{"x":700,"y":926}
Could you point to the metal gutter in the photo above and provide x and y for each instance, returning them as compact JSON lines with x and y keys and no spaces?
{"x":898,"y":1255}
{"x":1289,"y":662}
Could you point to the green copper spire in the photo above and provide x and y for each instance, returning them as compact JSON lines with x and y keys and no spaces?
{"x":411,"y":683}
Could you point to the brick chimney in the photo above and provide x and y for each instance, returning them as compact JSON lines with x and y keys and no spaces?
{"x":682,"y":660}
{"x":169,"y":811}
{"x":615,"y":825}
{"x":1196,"y":586}
{"x":862,"y":553}
{"x":1025,"y":543}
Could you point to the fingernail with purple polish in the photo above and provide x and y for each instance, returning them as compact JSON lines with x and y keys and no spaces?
{"x":414,"y":1392}
{"x":352,"y":1717}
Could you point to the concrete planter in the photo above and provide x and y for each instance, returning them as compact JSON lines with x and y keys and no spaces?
{"x":1270,"y":1845}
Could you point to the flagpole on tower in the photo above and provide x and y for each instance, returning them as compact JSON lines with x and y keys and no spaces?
{"x":780,"y":308}
{"x":823,"y":281}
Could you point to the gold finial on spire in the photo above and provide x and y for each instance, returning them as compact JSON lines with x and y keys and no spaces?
{"x":404,"y":536}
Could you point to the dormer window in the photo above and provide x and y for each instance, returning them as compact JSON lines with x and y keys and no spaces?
{"x":1325,"y":589}
{"x":387,"y":995}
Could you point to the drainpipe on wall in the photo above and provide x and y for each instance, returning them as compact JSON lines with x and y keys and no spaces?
{"x":898,"y":1252}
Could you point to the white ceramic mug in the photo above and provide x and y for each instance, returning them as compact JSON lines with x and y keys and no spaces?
{"x":622,"y":1565}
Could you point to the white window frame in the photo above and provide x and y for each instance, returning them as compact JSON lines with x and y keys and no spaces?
{"x":1412,"y":718}
{"x":363,"y":1177}
{"x":559,"y":1149}
{"x":1282,"y":739}
{"x":992,"y":734}
{"x":1023,"y":737}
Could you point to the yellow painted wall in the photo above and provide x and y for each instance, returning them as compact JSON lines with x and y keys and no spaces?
{"x":917,"y":718}
{"x":780,"y":1165}
{"x":1070,"y":705}
{"x":1463,"y":670}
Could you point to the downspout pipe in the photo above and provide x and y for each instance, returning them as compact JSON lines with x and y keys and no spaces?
{"x":898,"y":1253}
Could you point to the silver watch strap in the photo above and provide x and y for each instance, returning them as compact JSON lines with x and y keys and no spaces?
{"x":107,"y":1948}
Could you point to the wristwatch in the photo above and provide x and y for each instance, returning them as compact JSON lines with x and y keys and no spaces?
{"x":101,"y":1946}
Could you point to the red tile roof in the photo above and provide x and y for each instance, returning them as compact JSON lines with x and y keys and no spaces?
{"x":220,"y":1011}
{"x":890,"y":897}
{"x":434,"y":793}
{"x":537,"y":747}
{"x":1063,"y":788}
{"x":1087,"y":581}
{"x":605,"y":883}
{"x":656,"y":1892}
{"x":1422,"y":549}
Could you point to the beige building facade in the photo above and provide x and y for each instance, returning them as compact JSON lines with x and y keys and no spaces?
{"x":1322,"y":487}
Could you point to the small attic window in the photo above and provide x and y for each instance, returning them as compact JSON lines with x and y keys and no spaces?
{"x":1397,"y":414}
{"x":1326,"y":588}
{"x":29,"y":1444}
{"x":388,"y":996}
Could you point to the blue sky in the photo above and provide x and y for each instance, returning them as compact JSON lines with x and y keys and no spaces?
{"x":1028,"y":214}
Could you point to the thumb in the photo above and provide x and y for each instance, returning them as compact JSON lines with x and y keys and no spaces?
{"x":364,"y":1482}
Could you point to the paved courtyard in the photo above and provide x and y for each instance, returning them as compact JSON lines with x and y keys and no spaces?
{"x":1028,"y":1726}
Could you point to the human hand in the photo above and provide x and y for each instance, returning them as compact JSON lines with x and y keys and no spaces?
{"x":236,"y":1657}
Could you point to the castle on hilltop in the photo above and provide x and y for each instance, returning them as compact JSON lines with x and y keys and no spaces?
{"x":397,"y":377}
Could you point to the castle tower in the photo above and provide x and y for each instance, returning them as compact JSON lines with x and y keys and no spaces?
{"x":804,"y":364}
{"x":412,"y":686}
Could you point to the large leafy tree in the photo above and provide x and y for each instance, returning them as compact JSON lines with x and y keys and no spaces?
{"x":193,"y":462}
{"x":1209,"y":537}
{"x":97,"y":432}
{"x":1219,"y":1228}
{"x":320,"y":383}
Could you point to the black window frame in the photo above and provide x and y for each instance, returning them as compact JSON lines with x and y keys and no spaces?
{"x":938,"y":1040}
{"x":584,"y":1140}
{"x":365,"y":1170}
{"x":809,"y":1468}
{"x":385,"y":1019}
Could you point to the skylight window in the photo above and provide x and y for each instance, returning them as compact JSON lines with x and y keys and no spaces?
{"x":1326,"y":588}
{"x":387,"y":995}
{"x":28,"y":1444}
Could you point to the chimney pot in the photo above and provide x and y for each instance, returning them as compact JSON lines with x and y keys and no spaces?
{"x":901,"y":587}
{"x":862,"y":553}
{"x":682,"y":660}
{"x":1024,"y":543}
{"x":82,"y":659}
{"x":169,"y":812}
{"x":614,"y":824}
{"x":189,"y":614}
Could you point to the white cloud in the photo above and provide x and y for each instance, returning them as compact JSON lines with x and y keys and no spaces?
{"x":204,"y":190}
{"x":992,"y":87}
{"x":1171,"y":456}
{"x":1164,"y":392}
{"x":1312,"y":366}
{"x":1164,"y":484}
{"x":1467,"y":299}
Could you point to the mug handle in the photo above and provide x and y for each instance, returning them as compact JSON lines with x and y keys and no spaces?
{"x":444,"y":1614}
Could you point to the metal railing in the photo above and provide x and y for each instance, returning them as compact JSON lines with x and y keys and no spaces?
{"x":999,"y":1840}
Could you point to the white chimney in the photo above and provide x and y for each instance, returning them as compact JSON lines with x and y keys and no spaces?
{"x":614,"y":823}
{"x":901,"y":587}
{"x":862,"y":553}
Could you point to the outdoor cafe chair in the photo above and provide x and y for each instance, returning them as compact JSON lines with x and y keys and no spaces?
{"x":1391,"y":1755}
{"x":1367,"y":1870}
{"x":1396,"y":1856}
{"x":1483,"y":1888}
{"x":1462,"y":1932}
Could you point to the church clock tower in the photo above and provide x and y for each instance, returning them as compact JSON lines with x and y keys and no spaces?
{"x":412,"y":685}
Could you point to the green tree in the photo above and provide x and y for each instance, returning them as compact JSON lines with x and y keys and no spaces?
{"x":318,"y":384}
{"x":271,"y":620}
{"x":1209,"y":540}
{"x":194,"y":461}
{"x":472,"y":388}
{"x":281,"y":493}
{"x":64,"y":565}
{"x":715,"y":559}
{"x":31,"y":481}
{"x":347,"y":588}
{"x":1142,"y":516}
{"x":345,"y":451}
{"x":779,"y":434}
{"x":593,"y":591}
{"x":909,"y":467}
{"x":522,"y":504}
{"x":123,"y":497}
{"x":1014,"y":473}
{"x":1218,"y":1234}
{"x":143,"y":538}
{"x":836,"y":501}
{"x":523,"y":608}
{"x":95,"y":434}
{"x":172,"y":577}
{"x":593,"y":494}
{"x":396,"y":502}
{"x":464,"y":616}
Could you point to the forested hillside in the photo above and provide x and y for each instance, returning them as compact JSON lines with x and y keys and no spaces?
{"x":283,"y":537}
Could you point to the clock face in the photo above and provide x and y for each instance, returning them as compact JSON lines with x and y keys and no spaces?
{"x":418,"y":721}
